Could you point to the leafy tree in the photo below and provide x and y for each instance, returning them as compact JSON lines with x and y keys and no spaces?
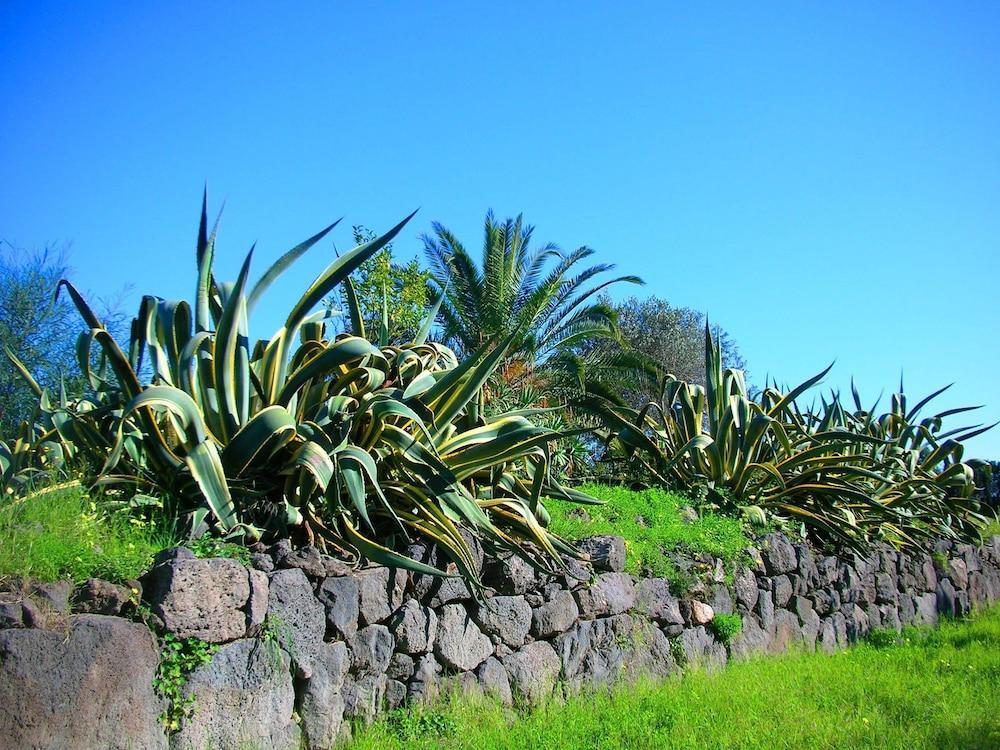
{"x":402,"y":287}
{"x":672,"y":338}
{"x":543,"y":296}
{"x":38,"y":329}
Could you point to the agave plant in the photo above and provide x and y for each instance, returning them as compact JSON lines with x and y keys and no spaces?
{"x":848,"y":476}
{"x":347,"y":444}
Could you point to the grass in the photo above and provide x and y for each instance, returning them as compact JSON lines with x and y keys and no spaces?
{"x":652,"y":525}
{"x":933,"y":689}
{"x":61,"y":533}
{"x":991,"y":529}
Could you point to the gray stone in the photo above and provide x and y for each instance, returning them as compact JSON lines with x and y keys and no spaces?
{"x":381,"y":593}
{"x":414,"y":627}
{"x":885,"y":589}
{"x":765,"y":608}
{"x":827,"y":637}
{"x":810,"y":627}
{"x":782,"y":590}
{"x":808,"y":569}
{"x":299,"y":618}
{"x":196,"y":598}
{"x":321,"y":698}
{"x":460,"y":644}
{"x":371,"y":650}
{"x":243,"y":695}
{"x":610,"y":594}
{"x":779,"y":554}
{"x":785,"y":632}
{"x":533,"y":671}
{"x":946,"y":598}
{"x":510,"y":575}
{"x":401,"y":667}
{"x":493,"y":680}
{"x":745,"y":587}
{"x":826,"y":601}
{"x":607,"y":553}
{"x":751,"y":640}
{"x":555,"y":616}
{"x":340,"y":598}
{"x":858,"y":623}
{"x":907,"y":611}
{"x":827,"y":571}
{"x":89,"y":687}
{"x":721,"y":602}
{"x":262,"y":562}
{"x":11,"y":615}
{"x":958,"y":572}
{"x":313,"y":563}
{"x":98,"y":597}
{"x":53,"y":596}
{"x":395,"y":694}
{"x":700,"y":649}
{"x":256,"y":610}
{"x":889,"y":617}
{"x":364,"y":696}
{"x":654,"y":601}
{"x":505,"y":617}
{"x":423,"y":684}
{"x":925,"y":607}
{"x":802,"y":606}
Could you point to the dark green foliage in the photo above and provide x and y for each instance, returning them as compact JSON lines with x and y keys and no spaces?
{"x":726,"y":626}
{"x":401,"y":289}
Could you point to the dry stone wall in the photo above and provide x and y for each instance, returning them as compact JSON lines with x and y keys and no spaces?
{"x":306,"y":647}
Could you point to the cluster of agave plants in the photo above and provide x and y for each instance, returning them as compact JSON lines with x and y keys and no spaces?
{"x":849,"y":474}
{"x":358,"y":446}
{"x":349,"y":445}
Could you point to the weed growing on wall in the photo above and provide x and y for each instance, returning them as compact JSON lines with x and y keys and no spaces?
{"x":726,"y":627}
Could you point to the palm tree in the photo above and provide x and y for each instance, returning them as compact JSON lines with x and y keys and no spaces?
{"x":541,"y":295}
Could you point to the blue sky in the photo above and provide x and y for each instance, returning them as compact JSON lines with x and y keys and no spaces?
{"x":823,"y":181}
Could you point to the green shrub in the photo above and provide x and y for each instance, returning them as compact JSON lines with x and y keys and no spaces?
{"x":653,"y":527}
{"x":61,"y":532}
{"x":726,"y":626}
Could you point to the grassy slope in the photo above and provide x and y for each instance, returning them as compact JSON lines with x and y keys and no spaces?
{"x":651,"y":522}
{"x":61,"y":533}
{"x":940,"y":689}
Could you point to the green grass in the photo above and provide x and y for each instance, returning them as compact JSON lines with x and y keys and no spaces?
{"x":935,"y":689}
{"x":991,"y":529}
{"x":651,"y":523}
{"x":61,"y":533}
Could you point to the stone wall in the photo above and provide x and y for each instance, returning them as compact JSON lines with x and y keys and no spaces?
{"x":305,"y":645}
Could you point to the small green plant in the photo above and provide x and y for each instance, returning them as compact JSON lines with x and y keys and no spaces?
{"x":178,"y":658}
{"x":883,"y":638}
{"x":677,"y":651}
{"x":410,"y":725}
{"x":940,"y":560}
{"x":211,"y":546}
{"x":727,"y":626}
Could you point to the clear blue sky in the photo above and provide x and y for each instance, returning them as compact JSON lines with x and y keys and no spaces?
{"x":823,"y":181}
